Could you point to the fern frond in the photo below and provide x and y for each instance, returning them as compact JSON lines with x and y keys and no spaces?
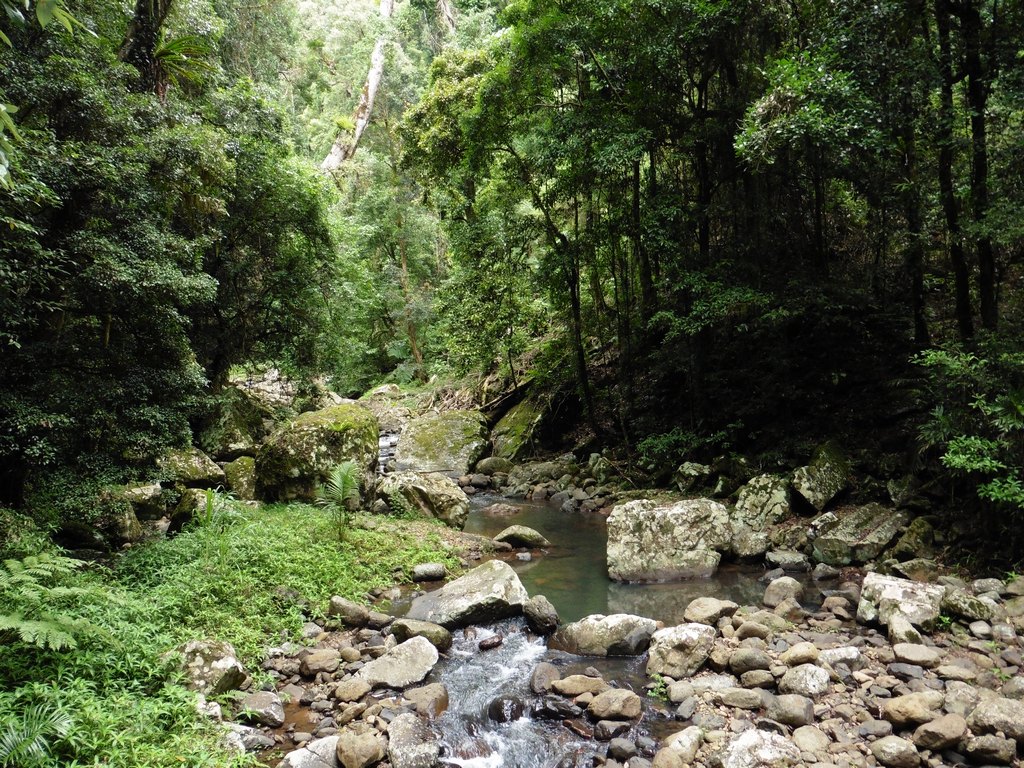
{"x":25,"y":741}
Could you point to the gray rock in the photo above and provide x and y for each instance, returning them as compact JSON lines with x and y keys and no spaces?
{"x":957,"y":602}
{"x":853,"y":535}
{"x":825,"y":477}
{"x":522,"y":536}
{"x":942,"y":733}
{"x":913,"y":708}
{"x":321,"y":753}
{"x":439,"y":637}
{"x":429,"y":572}
{"x":320,"y":660}
{"x":360,"y":749}
{"x":788,"y":560}
{"x":921,"y":655}
{"x":263,"y":707}
{"x":252,"y":739}
{"x":210,"y":667}
{"x":349,"y":691}
{"x":404,"y":665}
{"x":411,"y":744}
{"x":759,"y":749}
{"x":686,"y":743}
{"x":450,"y":442}
{"x":790,"y":709}
{"x":782,"y":589}
{"x":680,"y":651}
{"x":997,"y":714}
{"x":896,"y":752}
{"x":762,"y":503}
{"x":746,"y":659}
{"x":620,"y":634}
{"x":901,"y":630}
{"x":487,"y":593}
{"x":494,"y":465}
{"x":742,"y":698}
{"x":616,"y":704}
{"x":810,"y":739}
{"x":691,"y":475}
{"x":708,"y":610}
{"x":990,"y":750}
{"x":350,"y":613}
{"x":648,"y":542}
{"x":883,"y":596}
{"x":805,"y":680}
{"x":431,"y":495}
{"x":541,"y":615}
{"x":429,"y":700}
{"x":542,"y":677}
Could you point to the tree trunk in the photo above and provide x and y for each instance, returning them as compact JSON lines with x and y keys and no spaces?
{"x":141,"y":38}
{"x":957,"y":257}
{"x":345,"y":145}
{"x":647,"y":299}
{"x":446,"y":15}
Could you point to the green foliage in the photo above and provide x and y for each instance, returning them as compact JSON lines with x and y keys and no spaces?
{"x":340,"y":494}
{"x":661,"y":453}
{"x":25,"y":739}
{"x":34,"y":591}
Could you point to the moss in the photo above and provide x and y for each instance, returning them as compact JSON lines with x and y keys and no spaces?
{"x":241,"y":477}
{"x":191,"y":468}
{"x":237,"y":425}
{"x":450,"y":441}
{"x":513,"y":434}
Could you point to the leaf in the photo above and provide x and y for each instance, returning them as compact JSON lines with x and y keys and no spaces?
{"x":44,"y":11}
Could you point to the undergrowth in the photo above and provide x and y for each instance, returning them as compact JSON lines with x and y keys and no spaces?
{"x":227,"y":578}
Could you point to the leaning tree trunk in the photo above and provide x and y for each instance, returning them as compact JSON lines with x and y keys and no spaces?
{"x":345,"y":145}
{"x":140,"y":40}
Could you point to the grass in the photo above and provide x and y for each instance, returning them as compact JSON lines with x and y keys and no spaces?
{"x":220,"y":580}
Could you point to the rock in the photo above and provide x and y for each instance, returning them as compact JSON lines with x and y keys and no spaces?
{"x":742,"y":698}
{"x":521,"y":536}
{"x":680,"y":651}
{"x":147,"y":500}
{"x":513,"y":434}
{"x":901,"y":630}
{"x":429,"y":572}
{"x":790,"y":709}
{"x":691,"y":475}
{"x":191,"y":468}
{"x":543,"y":676}
{"x":506,"y":709}
{"x":252,"y":739}
{"x":350,"y":613}
{"x":708,"y":610}
{"x":763,"y":502}
{"x":805,"y":680}
{"x":913,"y":708}
{"x":450,"y":443}
{"x":686,"y":743}
{"x":744,"y":660}
{"x":853,"y":535}
{"x":990,"y":750}
{"x":575,"y":685}
{"x":320,"y":660}
{"x":824,"y":478}
{"x":350,"y":691}
{"x":439,"y":637}
{"x":237,"y":424}
{"x":651,"y":542}
{"x":487,"y":593}
{"x":895,"y":752}
{"x":118,"y":519}
{"x":240,"y":476}
{"x":882,"y":596}
{"x":621,"y":749}
{"x":782,"y":589}
{"x":404,"y":665}
{"x":998,"y":714}
{"x":431,"y":495}
{"x":620,"y":634}
{"x":800,"y":653}
{"x":788,"y":560}
{"x":1014,"y":587}
{"x":918,"y":569}
{"x":360,"y":749}
{"x":210,"y":667}
{"x":500,"y":510}
{"x":810,"y":739}
{"x":429,"y":700}
{"x":759,"y":749}
{"x":411,"y":744}
{"x":957,"y":602}
{"x":321,"y":753}
{"x":263,"y":707}
{"x":616,"y":704}
{"x":300,"y":454}
{"x":942,"y":733}
{"x":921,"y":655}
{"x":494,"y":465}
{"x":541,"y":615}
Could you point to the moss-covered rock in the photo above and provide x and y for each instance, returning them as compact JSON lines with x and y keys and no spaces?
{"x":429,"y":495}
{"x":856,"y":535}
{"x":238,"y":424}
{"x":241,"y":477}
{"x":917,"y":541}
{"x":824,"y":478}
{"x":513,"y":434}
{"x":450,"y":442}
{"x":191,"y":468}
{"x":299,"y":454}
{"x":762,"y":504}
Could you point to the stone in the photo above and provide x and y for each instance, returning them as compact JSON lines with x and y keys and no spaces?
{"x":652,"y":542}
{"x":680,"y":651}
{"x":744,"y":660}
{"x":691,"y":475}
{"x":759,"y":749}
{"x":895,"y":752}
{"x":522,"y":536}
{"x":240,"y":476}
{"x":252,"y":739}
{"x":762,"y":503}
{"x":620,"y":634}
{"x":686,"y":743}
{"x":430,"y":495}
{"x":429,"y":572}
{"x":263,"y":707}
{"x":917,"y":541}
{"x":708,"y":610}
{"x":575,"y":685}
{"x":782,"y":589}
{"x":810,"y":739}
{"x":350,"y":613}
{"x":741,"y":698}
{"x":513,"y":434}
{"x":429,"y":700}
{"x":494,"y":465}
{"x":913,"y":708}
{"x":237,"y":424}
{"x":449,"y":443}
{"x":298,"y":456}
{"x":621,"y":749}
{"x":800,"y":653}
{"x":541,"y":615}
{"x":616,"y":704}
{"x":360,"y":749}
{"x":788,"y":560}
{"x":942,"y":733}
{"x":147,"y":500}
{"x":320,"y":660}
{"x":487,"y":593}
{"x":543,"y":676}
{"x":854,"y":535}
{"x":999,"y":714}
{"x":990,"y":750}
{"x":917,"y":569}
{"x":921,"y":655}
{"x":411,"y":744}
{"x":210,"y":667}
{"x":882,"y":596}
{"x":404,"y":665}
{"x":190,"y":468}
{"x":901,"y":630}
{"x":790,"y":709}
{"x":320,"y":753}
{"x":824,"y":478}
{"x":805,"y":680}
{"x":957,"y":602}
{"x":350,"y":691}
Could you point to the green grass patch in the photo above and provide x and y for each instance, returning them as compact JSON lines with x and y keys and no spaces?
{"x":219,"y":580}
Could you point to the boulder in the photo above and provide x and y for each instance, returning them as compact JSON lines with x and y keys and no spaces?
{"x":299,"y":455}
{"x":805,"y":680}
{"x":494,"y":465}
{"x":360,"y":749}
{"x":680,"y":651}
{"x":349,"y":612}
{"x":449,"y":442}
{"x":762,"y":503}
{"x":790,"y":709}
{"x":522,"y":536}
{"x":320,"y":660}
{"x":895,"y":752}
{"x":959,"y":603}
{"x":411,"y":744}
{"x":439,"y":637}
{"x":240,"y":476}
{"x":210,"y":667}
{"x":788,"y":560}
{"x":652,"y":542}
{"x":429,"y":700}
{"x":577,"y":685}
{"x":513,"y":434}
{"x":912,"y":709}
{"x":690,"y":475}
{"x":117,"y":518}
{"x":147,"y":500}
{"x":429,"y":572}
{"x":855,"y":535}
{"x":882,"y":597}
{"x":236,"y":425}
{"x":263,"y":707}
{"x":616,"y":704}
{"x":404,"y":665}
{"x":686,"y":743}
{"x":430,"y":495}
{"x":942,"y":733}
{"x":759,"y":749}
{"x":190,"y":468}
{"x":321,"y":753}
{"x":824,"y":478}
{"x":708,"y":610}
{"x":782,"y":589}
{"x":620,"y":634}
{"x":999,"y":714}
{"x":990,"y":750}
{"x":541,"y":615}
{"x":487,"y":593}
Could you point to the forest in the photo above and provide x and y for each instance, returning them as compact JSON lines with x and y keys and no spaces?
{"x":680,"y":231}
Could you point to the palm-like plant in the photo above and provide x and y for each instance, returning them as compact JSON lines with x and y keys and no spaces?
{"x":25,"y":741}
{"x":180,"y":60}
{"x":340,"y":494}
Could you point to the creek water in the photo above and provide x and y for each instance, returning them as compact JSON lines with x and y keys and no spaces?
{"x":489,"y":723}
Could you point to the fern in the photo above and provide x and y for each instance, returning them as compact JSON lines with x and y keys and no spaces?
{"x":25,"y":741}
{"x":340,"y":494}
